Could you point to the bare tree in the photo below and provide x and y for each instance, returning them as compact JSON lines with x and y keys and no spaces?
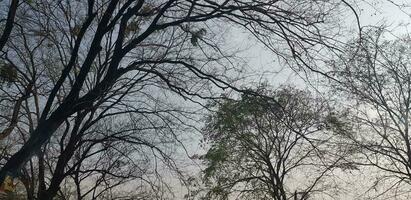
{"x":107,"y":149}
{"x":375,"y":76}
{"x":114,"y":153}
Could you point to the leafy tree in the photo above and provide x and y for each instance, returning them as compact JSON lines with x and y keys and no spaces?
{"x":260,"y":146}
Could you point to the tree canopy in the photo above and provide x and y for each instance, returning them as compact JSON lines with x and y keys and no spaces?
{"x":261,"y":144}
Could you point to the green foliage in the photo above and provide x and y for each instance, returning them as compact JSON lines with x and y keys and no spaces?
{"x":8,"y":73}
{"x":265,"y":129}
{"x":196,"y":35}
{"x":132,"y":28}
{"x":76,"y":30}
{"x":147,"y":9}
{"x":215,"y":155}
{"x":337,"y":124}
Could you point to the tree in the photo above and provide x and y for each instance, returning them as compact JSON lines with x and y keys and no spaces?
{"x":261,"y":145}
{"x":374,"y":75}
{"x":83,"y":60}
{"x":113,"y":153}
{"x":8,"y":26}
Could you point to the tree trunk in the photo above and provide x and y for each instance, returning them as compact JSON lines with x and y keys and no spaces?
{"x":9,"y":23}
{"x":40,"y":135}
